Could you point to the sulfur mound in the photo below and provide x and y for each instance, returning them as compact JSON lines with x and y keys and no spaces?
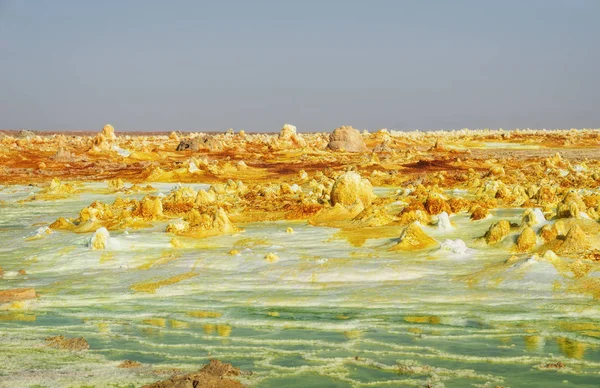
{"x":216,"y":374}
{"x":435,"y":204}
{"x":100,"y":239}
{"x":576,"y":241}
{"x":104,"y":140}
{"x":150,"y":208}
{"x":497,"y":232}
{"x":72,"y":344}
{"x":413,"y":238}
{"x":532,"y":217}
{"x":271,"y":257}
{"x":109,"y":132}
{"x":479,"y":213}
{"x":347,"y":139}
{"x":527,"y":240}
{"x":204,"y":224}
{"x":128,"y":364}
{"x":349,"y":188}
{"x":287,"y":132}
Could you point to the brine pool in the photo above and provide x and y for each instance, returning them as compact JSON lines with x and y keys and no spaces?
{"x":327,"y":314}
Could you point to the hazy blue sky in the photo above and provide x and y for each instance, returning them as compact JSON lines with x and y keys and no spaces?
{"x":211,"y":65}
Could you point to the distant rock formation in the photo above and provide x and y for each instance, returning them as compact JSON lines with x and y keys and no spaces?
{"x":188,"y":145}
{"x":347,"y":139}
{"x":350,"y":187}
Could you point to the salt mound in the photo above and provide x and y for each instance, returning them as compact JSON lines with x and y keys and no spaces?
{"x":372,"y":216}
{"x":150,"y":208}
{"x":349,"y":187}
{"x":533,"y":217}
{"x":102,"y":240}
{"x":527,"y":240}
{"x":347,"y":139}
{"x":287,"y":132}
{"x":109,"y":132}
{"x":104,"y":140}
{"x":435,"y":204}
{"x":576,"y":241}
{"x":479,"y":213}
{"x":42,"y":232}
{"x":444,"y":221}
{"x":204,"y":224}
{"x":457,"y":247}
{"x":413,"y":238}
{"x":497,"y":232}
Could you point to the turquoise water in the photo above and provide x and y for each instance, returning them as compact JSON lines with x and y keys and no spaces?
{"x":325,"y":314}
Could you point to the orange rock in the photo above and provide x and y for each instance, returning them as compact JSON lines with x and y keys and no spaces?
{"x":17,"y":294}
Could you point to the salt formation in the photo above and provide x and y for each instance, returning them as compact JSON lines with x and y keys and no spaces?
{"x":349,"y":188}
{"x":480,"y":213}
{"x":527,"y":240}
{"x":150,"y":208}
{"x":413,"y":238}
{"x":435,"y":204}
{"x":72,"y":344}
{"x":100,"y":239}
{"x":532,"y":217}
{"x":271,"y":257}
{"x":288,"y":136}
{"x":346,"y":139}
{"x":444,"y":221}
{"x":576,"y":241}
{"x":188,"y":145}
{"x":215,"y":374}
{"x":198,"y":224}
{"x":457,"y":247}
{"x":497,"y":232}
{"x":104,"y":140}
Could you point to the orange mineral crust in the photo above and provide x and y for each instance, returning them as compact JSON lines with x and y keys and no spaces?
{"x":370,"y":185}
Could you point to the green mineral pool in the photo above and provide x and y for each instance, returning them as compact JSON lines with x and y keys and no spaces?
{"x":326,"y":314}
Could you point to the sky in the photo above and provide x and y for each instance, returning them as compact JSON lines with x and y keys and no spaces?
{"x":255,"y":65}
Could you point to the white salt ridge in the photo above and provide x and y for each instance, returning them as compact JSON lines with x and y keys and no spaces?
{"x":444,"y":222}
{"x":42,"y":232}
{"x":102,"y":237}
{"x":533,"y":273}
{"x":363,"y":275}
{"x":455,"y":248}
{"x":539,"y":216}
{"x":192,"y":168}
{"x":121,"y":151}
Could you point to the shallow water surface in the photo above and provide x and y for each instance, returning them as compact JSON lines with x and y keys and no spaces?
{"x":327,"y":313}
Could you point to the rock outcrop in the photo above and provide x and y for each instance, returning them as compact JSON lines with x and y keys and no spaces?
{"x":349,"y":188}
{"x":188,"y":145}
{"x":346,"y":139}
